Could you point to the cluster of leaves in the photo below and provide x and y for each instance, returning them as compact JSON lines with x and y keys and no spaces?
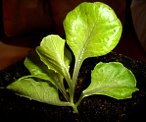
{"x":92,"y":30}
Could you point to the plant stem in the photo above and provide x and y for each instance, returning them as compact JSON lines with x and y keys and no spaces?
{"x":72,"y":83}
{"x":79,"y":100}
{"x":76,"y":72}
{"x":71,"y":88}
{"x":63,"y":91}
{"x":75,"y":109}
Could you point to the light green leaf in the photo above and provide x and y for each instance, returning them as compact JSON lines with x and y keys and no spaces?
{"x":92,"y":29}
{"x":51,"y":52}
{"x":36,"y":68}
{"x":37,"y":90}
{"x":111,"y":79}
{"x":39,"y":70}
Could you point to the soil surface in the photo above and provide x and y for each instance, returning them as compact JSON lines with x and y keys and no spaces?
{"x":92,"y":109}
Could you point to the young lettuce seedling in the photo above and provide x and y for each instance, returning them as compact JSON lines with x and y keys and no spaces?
{"x":92,"y":30}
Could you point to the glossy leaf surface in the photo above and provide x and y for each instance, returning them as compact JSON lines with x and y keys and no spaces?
{"x":111,"y":79}
{"x":92,"y":29}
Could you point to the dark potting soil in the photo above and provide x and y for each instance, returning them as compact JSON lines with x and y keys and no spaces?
{"x":95,"y":108}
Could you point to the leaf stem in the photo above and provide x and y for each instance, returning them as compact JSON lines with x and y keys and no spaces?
{"x":79,"y":100}
{"x":71,"y":88}
{"x":76,"y":72}
{"x":75,"y":109}
{"x":63,"y":91}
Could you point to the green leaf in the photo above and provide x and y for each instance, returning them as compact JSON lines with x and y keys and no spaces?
{"x":92,"y":29}
{"x":111,"y":79}
{"x":36,"y":68}
{"x":51,"y":52}
{"x":37,"y":90}
{"x":39,"y":70}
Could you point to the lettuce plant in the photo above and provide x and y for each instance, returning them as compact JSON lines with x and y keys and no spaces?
{"x":92,"y":30}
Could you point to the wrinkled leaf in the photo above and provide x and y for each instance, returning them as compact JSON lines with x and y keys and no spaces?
{"x":40,"y":91}
{"x":51,"y":52}
{"x":92,"y":29}
{"x":111,"y":79}
{"x":39,"y":70}
{"x":36,"y":68}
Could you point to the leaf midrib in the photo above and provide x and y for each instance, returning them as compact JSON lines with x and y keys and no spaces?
{"x":80,"y":57}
